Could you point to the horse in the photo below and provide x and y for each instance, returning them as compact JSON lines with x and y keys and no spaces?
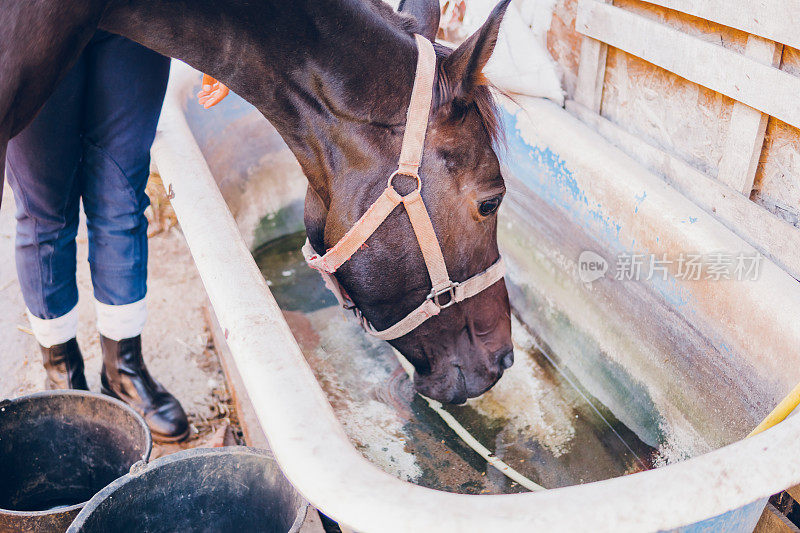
{"x":335,"y":79}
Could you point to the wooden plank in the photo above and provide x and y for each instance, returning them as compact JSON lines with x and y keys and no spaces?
{"x":776,"y":20}
{"x":773,"y":521}
{"x":745,"y":137}
{"x":794,"y":492}
{"x":743,"y":144}
{"x":774,"y":238}
{"x":253,"y":434}
{"x":762,"y":87}
{"x":591,"y":73}
{"x":312,"y":523}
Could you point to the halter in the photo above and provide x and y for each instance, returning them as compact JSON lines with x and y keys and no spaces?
{"x":444,"y":291}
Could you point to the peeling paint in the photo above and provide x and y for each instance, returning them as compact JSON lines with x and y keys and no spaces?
{"x":639,"y":200}
{"x":549,"y":175}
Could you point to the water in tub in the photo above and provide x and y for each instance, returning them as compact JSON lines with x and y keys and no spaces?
{"x":537,"y":418}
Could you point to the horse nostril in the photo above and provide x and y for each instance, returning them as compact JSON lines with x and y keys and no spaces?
{"x":460,"y":393}
{"x":508,"y":359}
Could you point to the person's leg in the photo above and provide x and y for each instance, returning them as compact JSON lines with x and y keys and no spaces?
{"x":126,"y":84}
{"x":42,"y":166}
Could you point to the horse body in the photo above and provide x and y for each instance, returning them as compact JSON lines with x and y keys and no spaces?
{"x":334,"y":77}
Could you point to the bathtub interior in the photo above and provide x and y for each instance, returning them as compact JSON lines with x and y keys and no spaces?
{"x":563,"y":437}
{"x":599,"y":387}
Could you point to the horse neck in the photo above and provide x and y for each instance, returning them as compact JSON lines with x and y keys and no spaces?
{"x":312,"y":67}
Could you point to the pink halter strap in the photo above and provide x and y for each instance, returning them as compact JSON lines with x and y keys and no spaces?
{"x":444,"y":292}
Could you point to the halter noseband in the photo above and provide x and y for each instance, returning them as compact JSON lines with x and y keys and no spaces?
{"x":444,"y":292}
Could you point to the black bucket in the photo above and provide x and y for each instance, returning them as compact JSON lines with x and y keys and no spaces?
{"x":57,"y":449}
{"x":235,"y":489}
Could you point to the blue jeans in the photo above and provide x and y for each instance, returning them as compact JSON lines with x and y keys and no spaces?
{"x":90,"y":142}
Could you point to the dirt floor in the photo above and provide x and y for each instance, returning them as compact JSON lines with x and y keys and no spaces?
{"x":177,"y":345}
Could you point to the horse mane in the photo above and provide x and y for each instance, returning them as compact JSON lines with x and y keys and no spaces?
{"x":402,"y":21}
{"x":480,"y":98}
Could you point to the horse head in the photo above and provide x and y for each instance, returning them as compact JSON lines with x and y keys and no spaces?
{"x":463,"y":350}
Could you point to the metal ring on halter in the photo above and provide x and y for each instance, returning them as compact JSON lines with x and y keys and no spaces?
{"x":396,"y":172}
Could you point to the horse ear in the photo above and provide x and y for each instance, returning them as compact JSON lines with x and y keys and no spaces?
{"x":464,"y":66}
{"x":427,"y":14}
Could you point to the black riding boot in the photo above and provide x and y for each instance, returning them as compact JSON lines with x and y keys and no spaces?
{"x":124,"y":376}
{"x":64,"y":366}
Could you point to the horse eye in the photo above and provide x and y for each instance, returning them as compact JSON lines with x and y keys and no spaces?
{"x":487,"y":207}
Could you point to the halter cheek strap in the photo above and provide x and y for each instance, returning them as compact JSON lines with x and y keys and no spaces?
{"x":444,"y":291}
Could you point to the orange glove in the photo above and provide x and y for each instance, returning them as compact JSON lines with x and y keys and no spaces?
{"x":212,"y":92}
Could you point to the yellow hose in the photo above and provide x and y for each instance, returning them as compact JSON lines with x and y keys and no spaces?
{"x":780,"y":412}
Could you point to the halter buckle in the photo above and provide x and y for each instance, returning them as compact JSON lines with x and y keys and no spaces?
{"x":450,"y":289}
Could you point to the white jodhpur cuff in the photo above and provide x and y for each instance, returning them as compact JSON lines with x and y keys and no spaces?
{"x":52,"y":331}
{"x":117,"y":322}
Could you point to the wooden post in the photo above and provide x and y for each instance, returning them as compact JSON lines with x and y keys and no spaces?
{"x":591,"y":73}
{"x":737,"y":167}
{"x":772,"y":521}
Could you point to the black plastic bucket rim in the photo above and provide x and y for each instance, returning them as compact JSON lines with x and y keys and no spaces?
{"x":140,"y":468}
{"x":70,"y":392}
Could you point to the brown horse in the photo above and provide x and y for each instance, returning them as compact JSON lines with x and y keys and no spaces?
{"x":334,"y":77}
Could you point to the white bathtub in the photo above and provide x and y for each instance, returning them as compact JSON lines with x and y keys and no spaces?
{"x":690,"y":366}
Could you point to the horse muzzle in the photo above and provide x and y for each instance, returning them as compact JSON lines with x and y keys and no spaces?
{"x":455,"y":383}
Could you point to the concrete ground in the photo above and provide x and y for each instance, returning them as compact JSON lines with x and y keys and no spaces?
{"x":177,"y":345}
